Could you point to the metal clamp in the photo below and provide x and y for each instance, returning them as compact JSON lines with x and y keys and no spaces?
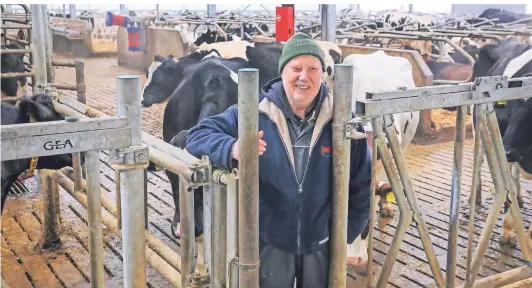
{"x":485,"y":87}
{"x":245,"y":267}
{"x":201,"y":173}
{"x":118,"y":161}
{"x":351,"y":128}
{"x":140,"y":157}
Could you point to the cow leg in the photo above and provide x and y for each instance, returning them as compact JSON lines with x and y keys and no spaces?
{"x":198,"y":207}
{"x":386,"y":208}
{"x":174,"y":182}
{"x":508,"y":236}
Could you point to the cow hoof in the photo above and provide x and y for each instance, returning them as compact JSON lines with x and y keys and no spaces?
{"x":510,"y":241}
{"x":387,"y":211}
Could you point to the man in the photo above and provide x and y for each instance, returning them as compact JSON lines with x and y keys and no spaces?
{"x":295,"y":168}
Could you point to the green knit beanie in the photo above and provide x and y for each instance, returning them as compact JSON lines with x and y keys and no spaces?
{"x":300,"y":44}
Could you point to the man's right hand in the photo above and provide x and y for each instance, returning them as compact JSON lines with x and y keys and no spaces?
{"x":261,"y":146}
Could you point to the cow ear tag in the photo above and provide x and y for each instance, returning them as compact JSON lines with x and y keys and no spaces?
{"x":390,"y":197}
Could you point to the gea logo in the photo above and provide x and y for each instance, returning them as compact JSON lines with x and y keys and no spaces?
{"x":57,"y":145}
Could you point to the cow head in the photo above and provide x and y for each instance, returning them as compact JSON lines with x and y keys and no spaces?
{"x":219,"y":87}
{"x":161,"y":80}
{"x":12,"y":63}
{"x":210,"y":37}
{"x":40,"y":108}
{"x":517,"y":139}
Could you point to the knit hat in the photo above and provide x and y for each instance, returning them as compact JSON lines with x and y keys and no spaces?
{"x":300,"y":44}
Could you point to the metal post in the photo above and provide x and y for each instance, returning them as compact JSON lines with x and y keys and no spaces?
{"x":94,"y":198}
{"x":211,"y":10}
{"x":157,"y":10}
{"x":248,"y":208}
{"x":49,"y":190}
{"x":219,"y":228}
{"x":48,"y":47}
{"x":186,"y":210}
{"x":132,"y":196}
{"x":410,"y":8}
{"x":80,"y":80}
{"x":477,"y":158}
{"x":456,"y":189}
{"x":123,"y":9}
{"x":231,"y":277}
{"x":72,"y":8}
{"x":343,"y":90}
{"x":328,"y":22}
{"x":38,"y":43}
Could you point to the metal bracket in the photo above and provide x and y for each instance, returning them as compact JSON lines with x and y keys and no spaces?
{"x":351,"y":131}
{"x":486,"y":87}
{"x":119,"y":162}
{"x":118,"y":157}
{"x":201,"y":175}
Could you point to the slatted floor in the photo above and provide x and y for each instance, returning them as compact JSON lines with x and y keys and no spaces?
{"x":430,"y":166}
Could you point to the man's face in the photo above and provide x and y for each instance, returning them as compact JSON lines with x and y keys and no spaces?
{"x":302,"y":80}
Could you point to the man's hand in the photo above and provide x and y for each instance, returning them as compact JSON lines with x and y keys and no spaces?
{"x":261,"y":146}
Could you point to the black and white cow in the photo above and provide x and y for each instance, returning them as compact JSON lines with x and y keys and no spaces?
{"x":399,"y":18}
{"x":208,"y":89}
{"x":39,"y":107}
{"x":12,"y":63}
{"x":504,"y":16}
{"x":164,"y":74}
{"x":512,"y":59}
{"x":210,"y":37}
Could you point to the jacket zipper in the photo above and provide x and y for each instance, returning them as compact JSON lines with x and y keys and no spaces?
{"x":301,"y":189}
{"x":300,"y":185}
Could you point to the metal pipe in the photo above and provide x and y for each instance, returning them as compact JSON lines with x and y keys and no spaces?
{"x":39,"y":40}
{"x":248,"y":186}
{"x":374,"y":161}
{"x":167,"y":271}
{"x":410,"y":194}
{"x":79,"y":65}
{"x":232,"y":232}
{"x":207,"y":228}
{"x":343,"y":90}
{"x":131,"y":188}
{"x":48,"y":46}
{"x":64,"y":86}
{"x":503,"y":278}
{"x":94,"y":211}
{"x":16,"y":40}
{"x":49,"y":190}
{"x":500,"y":196}
{"x":16,"y":51}
{"x":508,"y":183}
{"x":63,"y":63}
{"x":456,"y":189}
{"x":170,"y":163}
{"x":167,"y":148}
{"x":328,"y":23}
{"x":477,"y":154}
{"x":167,"y":253}
{"x":186,"y":210}
{"x":219,"y":237}
{"x":13,"y":75}
{"x":405,"y":214}
{"x":18,"y":26}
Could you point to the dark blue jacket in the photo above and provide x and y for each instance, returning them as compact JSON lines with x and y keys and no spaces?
{"x":292,"y":217}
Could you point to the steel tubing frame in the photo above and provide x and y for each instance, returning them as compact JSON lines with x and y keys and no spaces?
{"x":132,"y":196}
{"x":488,"y":132}
{"x":456,"y":188}
{"x":248,"y":186}
{"x":159,"y":264}
{"x":343,"y":90}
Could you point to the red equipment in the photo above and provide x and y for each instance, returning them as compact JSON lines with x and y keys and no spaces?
{"x":284,"y":24}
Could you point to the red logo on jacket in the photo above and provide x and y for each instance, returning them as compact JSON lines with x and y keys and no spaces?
{"x":325,"y":149}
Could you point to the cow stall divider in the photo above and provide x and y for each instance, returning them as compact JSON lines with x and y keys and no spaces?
{"x":121,"y":134}
{"x":378,"y":108}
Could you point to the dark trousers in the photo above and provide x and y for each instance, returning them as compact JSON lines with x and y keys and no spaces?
{"x":279,"y":269}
